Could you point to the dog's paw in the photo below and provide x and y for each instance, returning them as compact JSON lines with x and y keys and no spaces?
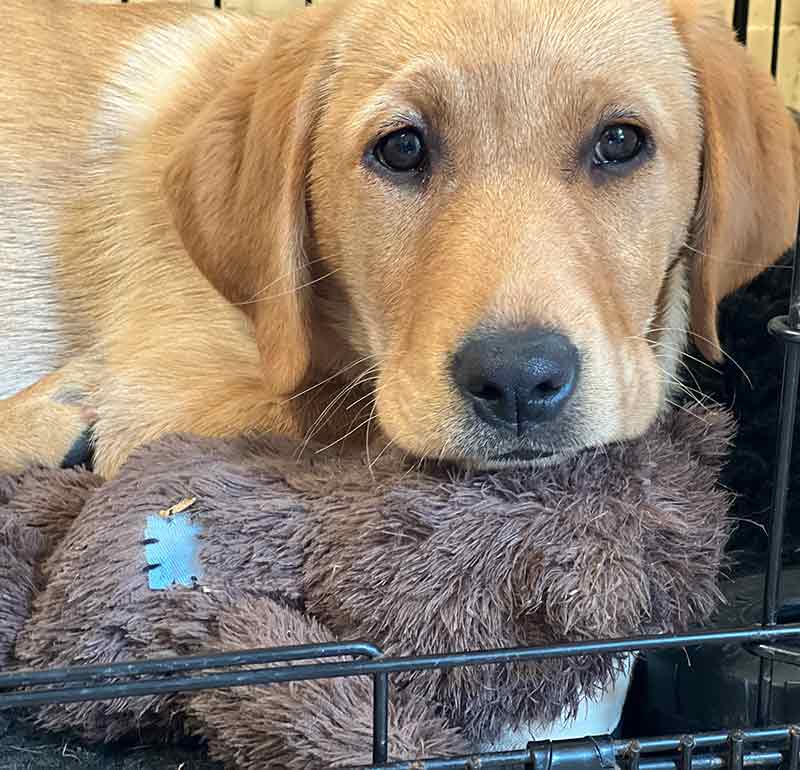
{"x":81,"y":451}
{"x":41,"y":429}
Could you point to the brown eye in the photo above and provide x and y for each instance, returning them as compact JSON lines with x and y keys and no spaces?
{"x":401,"y":151}
{"x":619,"y":143}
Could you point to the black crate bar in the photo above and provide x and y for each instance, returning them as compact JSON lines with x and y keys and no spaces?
{"x":741,"y":15}
{"x":776,"y":38}
{"x":157,"y":677}
{"x":787,"y":329}
{"x":165,"y":683}
{"x":186,"y":663}
{"x":703,"y":751}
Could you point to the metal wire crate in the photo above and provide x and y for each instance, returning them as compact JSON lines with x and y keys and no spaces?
{"x":761,"y":745}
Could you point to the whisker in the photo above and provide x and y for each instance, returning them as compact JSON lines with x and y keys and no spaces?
{"x":288,"y":292}
{"x":390,"y":443}
{"x":307,"y":263}
{"x":349,"y":433}
{"x":364,"y":406}
{"x":367,"y":395}
{"x":682,"y":387}
{"x":717,"y":346}
{"x":331,"y":406}
{"x":684,"y":354}
{"x":341,"y":371}
{"x":730,"y":261}
{"x":698,"y":389}
{"x":370,"y":465}
{"x":399,"y":437}
{"x":688,"y":411}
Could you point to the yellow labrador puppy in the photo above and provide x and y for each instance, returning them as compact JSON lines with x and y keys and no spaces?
{"x":483,"y":228}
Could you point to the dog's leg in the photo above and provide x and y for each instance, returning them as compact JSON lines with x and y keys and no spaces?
{"x":48,"y":423}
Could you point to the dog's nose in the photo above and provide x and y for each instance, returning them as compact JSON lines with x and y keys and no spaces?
{"x":516,"y":378}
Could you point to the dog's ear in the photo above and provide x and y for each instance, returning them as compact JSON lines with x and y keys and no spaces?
{"x":747,"y":206}
{"x":236,"y":188}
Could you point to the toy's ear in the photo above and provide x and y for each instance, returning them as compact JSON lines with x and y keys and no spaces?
{"x":236,"y":188}
{"x":750,"y":189}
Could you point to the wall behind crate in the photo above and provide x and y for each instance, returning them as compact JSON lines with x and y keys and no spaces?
{"x":759,"y":41}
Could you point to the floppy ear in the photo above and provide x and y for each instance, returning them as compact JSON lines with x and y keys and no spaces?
{"x":236,"y":187}
{"x":746,"y":215}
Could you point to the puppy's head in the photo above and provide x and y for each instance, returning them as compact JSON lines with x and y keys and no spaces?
{"x":509,"y":210}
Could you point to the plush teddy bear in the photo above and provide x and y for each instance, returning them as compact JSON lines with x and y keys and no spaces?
{"x":208,"y":545}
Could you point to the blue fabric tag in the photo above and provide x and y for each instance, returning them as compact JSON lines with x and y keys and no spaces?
{"x":170,"y":548}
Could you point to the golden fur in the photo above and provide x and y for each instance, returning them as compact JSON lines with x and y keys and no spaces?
{"x":191,"y":241}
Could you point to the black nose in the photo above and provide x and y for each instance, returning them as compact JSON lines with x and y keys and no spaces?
{"x":516,"y":378}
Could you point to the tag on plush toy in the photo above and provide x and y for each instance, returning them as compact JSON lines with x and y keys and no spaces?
{"x":179,"y":507}
{"x":170,"y":548}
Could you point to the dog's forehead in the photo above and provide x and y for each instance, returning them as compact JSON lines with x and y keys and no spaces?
{"x":538,"y":35}
{"x":539,"y":57}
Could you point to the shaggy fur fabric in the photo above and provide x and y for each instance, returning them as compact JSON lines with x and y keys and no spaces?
{"x":27,"y":541}
{"x":617,"y":542}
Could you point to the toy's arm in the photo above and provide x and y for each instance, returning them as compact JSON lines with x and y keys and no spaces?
{"x":306,"y":725}
{"x":36,"y":510}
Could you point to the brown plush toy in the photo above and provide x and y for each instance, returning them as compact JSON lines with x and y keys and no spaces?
{"x":279,"y":551}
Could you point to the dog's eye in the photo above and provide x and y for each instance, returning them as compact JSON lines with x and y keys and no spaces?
{"x":618,"y":143}
{"x":401,"y":151}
